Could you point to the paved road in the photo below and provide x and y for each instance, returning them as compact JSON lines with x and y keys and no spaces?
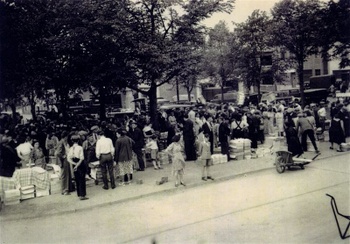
{"x":263,"y":207}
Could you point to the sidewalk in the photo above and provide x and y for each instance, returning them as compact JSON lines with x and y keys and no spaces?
{"x":57,"y":204}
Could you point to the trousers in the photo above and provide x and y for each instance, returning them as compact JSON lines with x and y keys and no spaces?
{"x":311,"y":134}
{"x":139,"y":155}
{"x":106,"y":164}
{"x":80,"y":181}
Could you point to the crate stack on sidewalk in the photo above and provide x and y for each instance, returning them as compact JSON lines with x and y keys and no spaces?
{"x":240,"y":148}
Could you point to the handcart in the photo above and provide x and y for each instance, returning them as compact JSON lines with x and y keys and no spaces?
{"x":285,"y":159}
{"x":336,"y":213}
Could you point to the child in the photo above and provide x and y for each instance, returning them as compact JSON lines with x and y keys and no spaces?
{"x":205,"y":157}
{"x":178,"y":161}
{"x":153,"y":146}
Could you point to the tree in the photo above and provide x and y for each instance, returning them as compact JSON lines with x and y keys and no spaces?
{"x":295,"y":27}
{"x":162,"y":35}
{"x":23,"y":51}
{"x":217,"y":62}
{"x":254,"y":39}
{"x":334,"y":31}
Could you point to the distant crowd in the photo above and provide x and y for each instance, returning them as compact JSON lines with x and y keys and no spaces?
{"x":191,"y":133}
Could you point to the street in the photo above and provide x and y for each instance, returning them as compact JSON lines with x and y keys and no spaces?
{"x":262,"y":207}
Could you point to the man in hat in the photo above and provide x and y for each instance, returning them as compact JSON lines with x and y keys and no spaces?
{"x":136,"y":134}
{"x":105,"y":153}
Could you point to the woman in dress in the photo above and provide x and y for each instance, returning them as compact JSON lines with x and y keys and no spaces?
{"x":37,"y":156}
{"x":175,"y":150}
{"x":336,"y":132}
{"x":271,"y":120}
{"x":123,"y":156}
{"x":280,"y":122}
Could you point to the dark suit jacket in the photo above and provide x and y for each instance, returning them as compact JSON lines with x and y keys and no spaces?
{"x":224,"y":132}
{"x":123,"y":149}
{"x":137,"y":136}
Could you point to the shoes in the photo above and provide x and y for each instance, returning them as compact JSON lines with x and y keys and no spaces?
{"x":141,"y":170}
{"x":339,"y":150}
{"x":84,"y":198}
{"x":113,"y":187}
{"x":105,"y":187}
{"x":155,"y":168}
{"x":210,"y":178}
{"x":203,"y":178}
{"x":65,"y":193}
{"x":331,"y":148}
{"x":182,"y":183}
{"x":122,"y":184}
{"x":128,"y":182}
{"x":318,"y":152}
{"x":160,"y":168}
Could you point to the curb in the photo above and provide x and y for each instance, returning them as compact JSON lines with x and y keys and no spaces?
{"x":166,"y":191}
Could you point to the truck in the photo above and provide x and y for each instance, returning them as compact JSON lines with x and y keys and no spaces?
{"x":210,"y":92}
{"x":320,"y":81}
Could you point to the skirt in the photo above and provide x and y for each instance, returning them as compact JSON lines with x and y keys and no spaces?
{"x":125,"y":167}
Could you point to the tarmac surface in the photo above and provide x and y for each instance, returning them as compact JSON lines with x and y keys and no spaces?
{"x":57,"y":204}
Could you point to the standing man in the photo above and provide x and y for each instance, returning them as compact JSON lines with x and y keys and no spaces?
{"x":322,"y":115}
{"x":224,"y":133}
{"x":189,"y":139}
{"x":136,"y":134}
{"x":105,"y":153}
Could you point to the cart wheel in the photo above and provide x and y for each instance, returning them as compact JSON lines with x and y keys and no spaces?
{"x":96,"y":182}
{"x":280,"y":167}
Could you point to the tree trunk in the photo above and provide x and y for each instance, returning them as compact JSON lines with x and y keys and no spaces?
{"x":32,"y":109}
{"x":152,"y":94}
{"x":32,"y":103}
{"x":102,"y":93}
{"x":62,"y":95}
{"x":13,"y":109}
{"x":259,"y":90}
{"x":301,"y":82}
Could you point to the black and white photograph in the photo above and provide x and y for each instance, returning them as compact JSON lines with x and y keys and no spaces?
{"x":174,"y":121}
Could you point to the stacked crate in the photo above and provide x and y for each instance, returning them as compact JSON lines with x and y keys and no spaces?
{"x":239,"y":148}
{"x":12,"y":197}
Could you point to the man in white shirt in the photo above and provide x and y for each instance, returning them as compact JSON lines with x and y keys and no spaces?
{"x":322,"y":115}
{"x":192,"y":115}
{"x":105,"y":153}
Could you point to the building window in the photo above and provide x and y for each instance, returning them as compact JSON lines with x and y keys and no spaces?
{"x":317,"y":72}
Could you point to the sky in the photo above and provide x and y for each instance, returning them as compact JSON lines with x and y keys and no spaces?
{"x":242,"y":9}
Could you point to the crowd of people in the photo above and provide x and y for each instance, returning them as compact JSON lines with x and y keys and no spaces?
{"x":192,"y":133}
